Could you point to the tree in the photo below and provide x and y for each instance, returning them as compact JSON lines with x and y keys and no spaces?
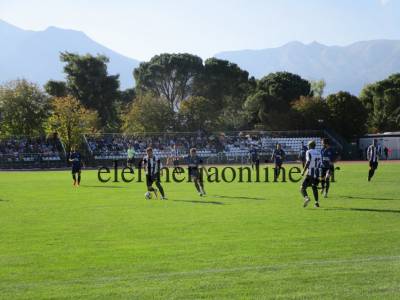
{"x":148,"y":113}
{"x":23,"y":109}
{"x":196,"y":113}
{"x":89,"y":82}
{"x":317,"y":87}
{"x":271,"y":102}
{"x":285,"y":87}
{"x":311,"y":110}
{"x":382,"y":101}
{"x":347,"y":113}
{"x":56,"y":88}
{"x":70,"y":119}
{"x":169,"y":76}
{"x":227,"y":87}
{"x":261,"y":107}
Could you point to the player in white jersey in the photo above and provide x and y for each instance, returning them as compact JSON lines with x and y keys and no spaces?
{"x":372,"y":156}
{"x":152,"y":166}
{"x":313,"y":169}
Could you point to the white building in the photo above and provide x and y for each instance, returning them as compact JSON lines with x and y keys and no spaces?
{"x":390,"y":140}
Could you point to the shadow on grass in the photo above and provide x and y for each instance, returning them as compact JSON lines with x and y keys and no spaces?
{"x":201,"y":202}
{"x":239,"y":197}
{"x":396,"y":211}
{"x":369,"y":198}
{"x":104,"y":186}
{"x":3,"y":200}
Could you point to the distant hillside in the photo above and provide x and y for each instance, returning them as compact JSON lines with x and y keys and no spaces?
{"x":34,"y":55}
{"x":343,"y":68}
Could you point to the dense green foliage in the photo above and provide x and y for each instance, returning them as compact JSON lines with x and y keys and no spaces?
{"x":242,"y":241}
{"x":24,"y":109}
{"x":216,"y":95}
{"x":382,"y":100}
{"x":170,"y":76}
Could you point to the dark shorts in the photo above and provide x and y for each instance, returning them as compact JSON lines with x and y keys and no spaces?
{"x":131,"y":161}
{"x":194,"y":173}
{"x":151,"y":179}
{"x":326,"y":170}
{"x":309,"y":181}
{"x":373,"y":165}
{"x":76,"y":170}
{"x":176,"y":162}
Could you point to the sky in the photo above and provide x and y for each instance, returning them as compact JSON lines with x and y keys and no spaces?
{"x":141,"y":29}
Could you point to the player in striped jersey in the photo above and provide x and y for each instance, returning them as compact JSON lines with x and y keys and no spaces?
{"x":312,"y":168}
{"x":152,"y":166}
{"x":372,"y":156}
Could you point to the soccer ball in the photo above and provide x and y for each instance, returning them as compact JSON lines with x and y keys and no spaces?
{"x":147,"y":195}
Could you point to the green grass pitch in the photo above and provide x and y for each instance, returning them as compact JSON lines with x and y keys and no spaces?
{"x":243,"y":241}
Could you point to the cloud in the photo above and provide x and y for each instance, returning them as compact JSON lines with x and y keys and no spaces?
{"x":384,"y":2}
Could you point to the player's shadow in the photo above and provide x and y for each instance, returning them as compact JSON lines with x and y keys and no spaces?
{"x":396,"y":211}
{"x":3,"y":200}
{"x":104,"y":186}
{"x":201,"y":202}
{"x":369,"y":198}
{"x":239,"y":197}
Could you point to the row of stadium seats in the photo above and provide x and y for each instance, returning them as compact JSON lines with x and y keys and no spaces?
{"x":233,"y":147}
{"x":115,"y":146}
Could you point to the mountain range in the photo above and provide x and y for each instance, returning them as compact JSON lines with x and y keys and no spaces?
{"x":34,"y":55}
{"x":347,"y":68}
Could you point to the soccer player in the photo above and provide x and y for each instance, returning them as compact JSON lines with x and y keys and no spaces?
{"x":152,"y":166}
{"x":194,"y":162}
{"x":278,"y":156}
{"x":312,"y":168}
{"x":327,"y":167}
{"x":76,"y":160}
{"x":302,"y":154}
{"x":255,"y":161}
{"x":131,"y":156}
{"x":372,"y":156}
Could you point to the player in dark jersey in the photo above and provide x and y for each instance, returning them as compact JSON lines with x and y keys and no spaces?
{"x":255,"y":160}
{"x":312,"y":168}
{"x":278,"y":156}
{"x":327,"y":167}
{"x":152,"y":166}
{"x":76,"y":160}
{"x":194,"y":164}
{"x":302,"y":154}
{"x":372,"y":156}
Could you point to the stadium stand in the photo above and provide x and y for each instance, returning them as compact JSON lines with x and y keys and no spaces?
{"x":104,"y":149}
{"x":30,"y":152}
{"x":229,"y":147}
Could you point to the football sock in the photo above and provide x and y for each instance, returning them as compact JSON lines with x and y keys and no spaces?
{"x":315,"y":192}
{"x":303,"y":192}
{"x":323,"y":183}
{"x":79,"y":178}
{"x":74,"y":177}
{"x":201,"y":185}
{"x":160,"y":188}
{"x":196,"y":184}
{"x":370,"y":174}
{"x":328,"y":183}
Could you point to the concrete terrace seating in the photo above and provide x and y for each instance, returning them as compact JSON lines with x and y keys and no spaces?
{"x":233,"y":146}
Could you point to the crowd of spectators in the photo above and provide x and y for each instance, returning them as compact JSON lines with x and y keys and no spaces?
{"x":116,"y":145}
{"x":26,"y":147}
